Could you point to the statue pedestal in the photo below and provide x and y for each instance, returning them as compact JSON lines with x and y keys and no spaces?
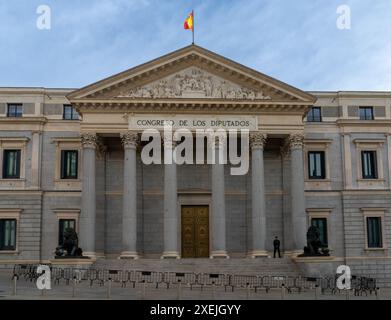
{"x":318,"y":266}
{"x":81,"y":262}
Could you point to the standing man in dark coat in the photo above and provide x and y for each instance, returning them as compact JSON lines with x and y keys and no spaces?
{"x":276,"y":245}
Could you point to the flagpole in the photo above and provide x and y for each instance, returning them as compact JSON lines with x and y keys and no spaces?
{"x":192,"y":12}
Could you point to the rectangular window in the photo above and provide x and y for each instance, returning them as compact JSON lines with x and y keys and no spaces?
{"x":64,"y":224}
{"x":11,"y":164}
{"x":69,"y":164}
{"x":321,"y":224}
{"x":315,"y":114}
{"x":369,"y":165}
{"x":8,"y":234}
{"x":316,"y":165}
{"x":366,"y":113}
{"x":15,"y":110}
{"x":70,"y":113}
{"x":374,"y":232}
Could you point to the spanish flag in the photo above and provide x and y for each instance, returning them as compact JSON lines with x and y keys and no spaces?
{"x":189,"y":22}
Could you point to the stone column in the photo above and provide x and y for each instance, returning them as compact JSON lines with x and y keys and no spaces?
{"x":36,"y":160}
{"x":170,"y":218}
{"x":298,"y":207}
{"x":218,"y":206}
{"x":88,"y":203}
{"x":129,"y":206}
{"x":258,"y":211}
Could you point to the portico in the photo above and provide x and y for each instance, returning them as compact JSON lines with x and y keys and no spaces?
{"x":192,"y":85}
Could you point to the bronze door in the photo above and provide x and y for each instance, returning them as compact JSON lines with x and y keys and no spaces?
{"x":195,"y":231}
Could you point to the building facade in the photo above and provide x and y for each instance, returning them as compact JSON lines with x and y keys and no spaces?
{"x":72,"y":158}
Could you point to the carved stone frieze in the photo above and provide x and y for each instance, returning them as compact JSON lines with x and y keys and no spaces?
{"x":193,"y":83}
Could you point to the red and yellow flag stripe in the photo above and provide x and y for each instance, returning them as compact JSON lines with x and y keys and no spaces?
{"x":189,"y":22}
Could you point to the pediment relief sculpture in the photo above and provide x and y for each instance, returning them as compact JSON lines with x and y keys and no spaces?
{"x":193,"y":83}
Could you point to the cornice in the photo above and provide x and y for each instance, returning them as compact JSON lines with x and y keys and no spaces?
{"x":362,"y":123}
{"x":23,"y":120}
{"x":85,"y":106}
{"x":351,"y":94}
{"x":36,"y":90}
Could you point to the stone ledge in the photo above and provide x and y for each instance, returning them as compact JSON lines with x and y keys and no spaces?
{"x":316,"y":259}
{"x":72,"y":262}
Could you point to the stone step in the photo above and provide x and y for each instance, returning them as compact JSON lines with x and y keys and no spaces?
{"x":231,"y":266}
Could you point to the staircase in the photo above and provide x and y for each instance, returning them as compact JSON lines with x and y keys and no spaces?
{"x":260,"y":266}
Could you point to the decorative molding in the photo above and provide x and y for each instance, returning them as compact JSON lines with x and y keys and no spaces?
{"x":284,"y":150}
{"x":217,"y":142}
{"x":193,"y":83}
{"x":189,"y":105}
{"x":376,"y":210}
{"x":320,"y":141}
{"x":89,"y":140}
{"x":14,"y":139}
{"x":319,"y":210}
{"x":10,"y":213}
{"x":66,"y":139}
{"x":129,"y":139}
{"x":296,"y":141}
{"x":169,"y":142}
{"x":258,"y":140}
{"x":369,"y":141}
{"x":61,"y":211}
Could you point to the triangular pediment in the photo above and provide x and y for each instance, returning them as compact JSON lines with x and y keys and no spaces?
{"x":193,"y":83}
{"x":191,"y":73}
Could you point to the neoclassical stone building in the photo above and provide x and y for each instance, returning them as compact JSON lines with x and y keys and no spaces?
{"x":71,"y":158}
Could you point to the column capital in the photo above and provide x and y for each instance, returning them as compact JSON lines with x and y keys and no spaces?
{"x":89,"y":140}
{"x":258,"y":140}
{"x":129,"y":139}
{"x":169,"y":142}
{"x":296,"y":141}
{"x":217,"y":142}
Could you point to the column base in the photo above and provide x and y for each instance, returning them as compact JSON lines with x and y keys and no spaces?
{"x":170,"y":255}
{"x":219,"y":255}
{"x":91,"y":255}
{"x":129,"y":255}
{"x":258,"y":254}
{"x":293,"y":253}
{"x":100,"y":255}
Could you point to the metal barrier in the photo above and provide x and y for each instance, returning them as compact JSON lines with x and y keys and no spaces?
{"x":304,"y":283}
{"x":213,"y":280}
{"x":245,"y":282}
{"x":176,"y":278}
{"x":25,"y":271}
{"x":273,"y":282}
{"x":360,"y":285}
{"x":149,"y":277}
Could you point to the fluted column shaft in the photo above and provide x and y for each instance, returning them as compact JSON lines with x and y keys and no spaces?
{"x":171,"y":218}
{"x":88,"y":210}
{"x":299,"y":219}
{"x":219,"y":249}
{"x":258,"y":211}
{"x":129,"y":210}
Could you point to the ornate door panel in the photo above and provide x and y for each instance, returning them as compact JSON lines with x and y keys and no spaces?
{"x":188,"y":244}
{"x":195,"y":231}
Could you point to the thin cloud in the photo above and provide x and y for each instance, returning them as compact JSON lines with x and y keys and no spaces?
{"x":297,"y":42}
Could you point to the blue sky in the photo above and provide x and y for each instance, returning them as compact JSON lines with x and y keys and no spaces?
{"x":297,"y":42}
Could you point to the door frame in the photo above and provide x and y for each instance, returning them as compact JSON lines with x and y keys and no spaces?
{"x":194,"y":200}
